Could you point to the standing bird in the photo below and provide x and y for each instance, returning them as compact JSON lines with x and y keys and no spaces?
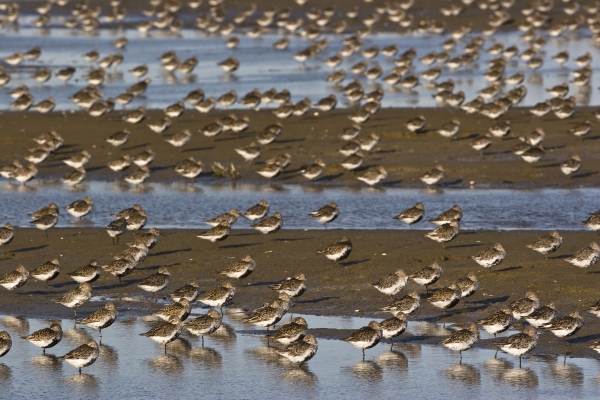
{"x":165,"y":332}
{"x":446,"y":298}
{"x":190,"y":291}
{"x":83,"y":356}
{"x":240,"y":269}
{"x":76,"y":297}
{"x":269,"y":225}
{"x":5,"y":343}
{"x":586,"y":257}
{"x":433,"y":176}
{"x":291,"y":332}
{"x":338,"y":251}
{"x":454,"y":213}
{"x":257,"y":211}
{"x":468,"y":285}
{"x":205,"y":325}
{"x":7,"y":234}
{"x":46,"y":338}
{"x":412,"y":215}
{"x":116,"y":228}
{"x":219,"y":297}
{"x":547,"y":244}
{"x":392,"y":284}
{"x":444,"y":233}
{"x":46,"y":222}
{"x":180,"y":309}
{"x":523,"y":307}
{"x":427,"y":276}
{"x":155,"y":282}
{"x":326,"y":214}
{"x":565,"y":326}
{"x":293,"y":287}
{"x":463,"y":339}
{"x":217,"y":233}
{"x":366,"y":337}
{"x":267,"y":315}
{"x":15,"y":279}
{"x":80,"y":208}
{"x":519,"y":344}
{"x":301,"y":351}
{"x":490,"y":257}
{"x":406,"y":304}
{"x":47,"y":271}
{"x":498,"y":322}
{"x":394,"y":326}
{"x":542,"y":316}
{"x":102,"y":318}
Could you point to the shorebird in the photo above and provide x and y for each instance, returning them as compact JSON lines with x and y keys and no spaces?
{"x":490,"y":257}
{"x":180,"y":309}
{"x":571,"y":165}
{"x":88,"y":273}
{"x":427,"y":276}
{"x":229,"y":217}
{"x":565,"y":326}
{"x":542,"y":315}
{"x":47,"y":271}
{"x":547,"y":244}
{"x":593,"y":222}
{"x":463,"y":339}
{"x":205,"y":325}
{"x":267,"y":315}
{"x":46,"y":222}
{"x":523,"y":307}
{"x":291,"y":332}
{"x":454,"y":213}
{"x":314,"y":170}
{"x":498,"y":322}
{"x":189,"y":291}
{"x":219,"y":296}
{"x":15,"y":279}
{"x":217,"y":233}
{"x":269,"y":225}
{"x":7,"y":234}
{"x":444,"y":233}
{"x":392,"y":284}
{"x":338,"y":251}
{"x":80,"y":208}
{"x":446,"y":298}
{"x":392,"y":327}
{"x":165,"y":332}
{"x":519,"y":344}
{"x":301,"y":351}
{"x":5,"y":343}
{"x":586,"y":257}
{"x":366,"y":337}
{"x":116,"y":228}
{"x":412,"y":215}
{"x":468,"y":285}
{"x":102,"y":318}
{"x":155,"y":282}
{"x":433,"y":176}
{"x":326,"y":214}
{"x":406,"y":304}
{"x":240,"y":269}
{"x":83,"y":356}
{"x":76,"y":297}
{"x":46,"y":338}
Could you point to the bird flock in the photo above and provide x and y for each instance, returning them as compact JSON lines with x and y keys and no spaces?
{"x":300,"y":346}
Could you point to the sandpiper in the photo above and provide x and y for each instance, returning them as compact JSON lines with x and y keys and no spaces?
{"x":116,"y":228}
{"x":230,"y":217}
{"x":406,"y":304}
{"x":523,"y":307}
{"x":189,"y":168}
{"x":444,"y":233}
{"x":102,"y":318}
{"x":121,"y":267}
{"x":392,"y":327}
{"x":454,"y":213}
{"x":74,"y":178}
{"x":219,"y":296}
{"x":326,"y":214}
{"x":46,"y":221}
{"x":217,"y":233}
{"x":412,"y":215}
{"x":269,"y":225}
{"x":46,"y":338}
{"x":468,"y":285}
{"x":593,"y":222}
{"x":427,"y":276}
{"x":490,"y":257}
{"x":542,"y":315}
{"x":301,"y":351}
{"x":366,"y":337}
{"x":267,"y":315}
{"x":463,"y":339}
{"x":373,"y":176}
{"x":416,"y":124}
{"x":314,"y":170}
{"x":519,"y":344}
{"x":293,"y":287}
{"x":498,"y":322}
{"x":205,"y":325}
{"x":180,"y":309}
{"x":450,"y":129}
{"x":433,"y":176}
{"x":7,"y":234}
{"x":353,"y":161}
{"x":338,"y":251}
{"x":76,"y":297}
{"x":82,"y":356}
{"x":88,"y":273}
{"x":249,"y":153}
{"x":148,"y":239}
{"x":571,"y":165}
{"x":392,"y":284}
{"x":47,"y":271}
{"x":446,"y":298}
{"x":547,"y":244}
{"x":586,"y":257}
{"x":240,"y":269}
{"x":165,"y":332}
{"x":160,"y":125}
{"x":15,"y":279}
{"x":189,"y":291}
{"x":80,"y":208}
{"x":155,"y":282}
{"x":291,"y":332}
{"x":5,"y":343}
{"x":565,"y":326}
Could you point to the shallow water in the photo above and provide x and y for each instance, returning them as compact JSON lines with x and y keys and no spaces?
{"x":237,"y":363}
{"x":263,"y":67}
{"x":189,"y":205}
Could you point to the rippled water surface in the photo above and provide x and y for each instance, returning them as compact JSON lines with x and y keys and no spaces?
{"x":236,"y":363}
{"x":263,"y":67}
{"x":188,"y":206}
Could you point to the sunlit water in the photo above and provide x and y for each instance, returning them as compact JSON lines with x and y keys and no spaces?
{"x":236,"y":363}
{"x":263,"y":67}
{"x":188,"y":206}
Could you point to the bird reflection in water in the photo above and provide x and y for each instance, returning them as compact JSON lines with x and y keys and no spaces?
{"x":108,"y":355}
{"x":393,"y":359}
{"x":463,"y":373}
{"x":19,"y":324}
{"x":83,"y":381}
{"x":207,"y":356}
{"x":369,"y":371}
{"x":166,"y":363}
{"x":5,"y":373}
{"x":46,"y":361}
{"x":299,"y":376}
{"x":567,"y":374}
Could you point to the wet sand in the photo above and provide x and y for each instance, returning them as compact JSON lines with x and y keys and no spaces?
{"x":404,"y":154}
{"x":331,"y":289}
